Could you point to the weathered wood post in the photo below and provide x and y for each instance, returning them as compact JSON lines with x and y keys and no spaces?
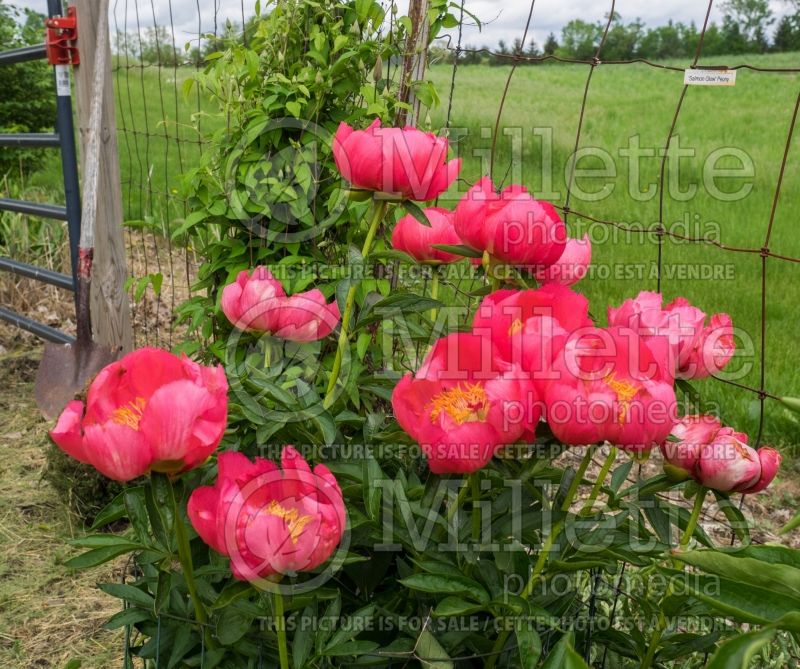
{"x":110,"y":309}
{"x":415,"y":60}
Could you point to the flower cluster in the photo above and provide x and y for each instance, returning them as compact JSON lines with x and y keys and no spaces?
{"x":153,"y":411}
{"x":533,"y":355}
{"x":718,"y":457}
{"x":695,"y":350}
{"x":256,"y":302}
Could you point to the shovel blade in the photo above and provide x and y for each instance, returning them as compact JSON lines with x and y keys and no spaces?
{"x":65,"y":371}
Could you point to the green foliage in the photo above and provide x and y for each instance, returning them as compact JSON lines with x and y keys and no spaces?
{"x":28,"y":101}
{"x":271,"y":186}
{"x":419,"y":547}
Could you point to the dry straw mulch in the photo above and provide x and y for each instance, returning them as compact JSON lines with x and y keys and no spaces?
{"x":49,"y":614}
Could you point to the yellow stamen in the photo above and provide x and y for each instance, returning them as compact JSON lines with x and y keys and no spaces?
{"x":294,"y":521}
{"x":130,"y":414}
{"x":463,"y":405}
{"x":516,"y":326}
{"x":625,"y":392}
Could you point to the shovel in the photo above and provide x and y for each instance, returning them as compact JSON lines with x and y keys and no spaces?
{"x":66,"y":369}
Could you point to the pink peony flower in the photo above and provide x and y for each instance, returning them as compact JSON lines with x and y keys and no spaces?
{"x":571,"y":267}
{"x":718,"y":457}
{"x":688,"y":437}
{"x":608,"y":386}
{"x":257,"y":303}
{"x":417,"y":240}
{"x":400,"y":161}
{"x":711,"y":352}
{"x":530,"y":327}
{"x":267,"y":520}
{"x":728,"y":464}
{"x":512,"y":227}
{"x":693,"y":351}
{"x":464,"y":404}
{"x":151,"y":410}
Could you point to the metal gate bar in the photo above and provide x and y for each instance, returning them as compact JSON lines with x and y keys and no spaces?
{"x":23,"y":54}
{"x":39,"y":329}
{"x":34,"y":209}
{"x":63,"y":138}
{"x":30,"y":139}
{"x":37,"y":273}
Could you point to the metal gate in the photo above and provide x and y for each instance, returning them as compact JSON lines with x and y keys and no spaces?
{"x":61,"y":52}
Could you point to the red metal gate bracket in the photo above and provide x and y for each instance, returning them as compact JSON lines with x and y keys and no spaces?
{"x":61,"y":39}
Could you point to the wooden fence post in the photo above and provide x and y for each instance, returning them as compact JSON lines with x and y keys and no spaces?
{"x":111,"y":316}
{"x":415,"y":60}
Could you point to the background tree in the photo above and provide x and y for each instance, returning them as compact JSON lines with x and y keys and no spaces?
{"x":579,"y":39}
{"x":27,"y":101}
{"x":500,"y":57}
{"x":156,"y":48}
{"x":622,"y":41}
{"x":551,"y":45}
{"x":753,"y":17}
{"x":787,"y":34}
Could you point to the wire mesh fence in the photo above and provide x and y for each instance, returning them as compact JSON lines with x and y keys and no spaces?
{"x":163,"y":132}
{"x":163,"y":129}
{"x":659,"y":232}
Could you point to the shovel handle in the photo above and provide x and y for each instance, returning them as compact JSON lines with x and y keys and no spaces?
{"x":91,"y":183}
{"x":91,"y":161}
{"x":84,"y":312}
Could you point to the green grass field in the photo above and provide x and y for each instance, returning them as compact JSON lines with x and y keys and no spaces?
{"x":158,"y":139}
{"x":623,"y":102}
{"x":636,"y":100}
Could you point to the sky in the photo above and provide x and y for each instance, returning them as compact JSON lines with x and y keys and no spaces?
{"x":505,"y":19}
{"x":502,"y":19}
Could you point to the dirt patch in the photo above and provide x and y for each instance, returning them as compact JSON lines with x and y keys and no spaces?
{"x":766,"y":512}
{"x":152,"y":312}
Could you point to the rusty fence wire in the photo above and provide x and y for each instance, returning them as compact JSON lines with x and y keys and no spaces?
{"x":158,"y":47}
{"x":455,"y":45}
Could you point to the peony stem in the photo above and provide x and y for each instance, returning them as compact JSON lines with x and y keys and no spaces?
{"x":475,"y":480}
{"x":691,"y":526}
{"x":462,"y":495}
{"x":601,"y":478}
{"x":573,"y":487}
{"x":378,"y":212}
{"x":185,"y":559}
{"x":686,"y":537}
{"x":536,"y":574}
{"x":280,"y":619}
{"x":434,"y":293}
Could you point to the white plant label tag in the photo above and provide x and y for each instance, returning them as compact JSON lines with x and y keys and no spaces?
{"x":62,"y":81}
{"x":696,"y":77}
